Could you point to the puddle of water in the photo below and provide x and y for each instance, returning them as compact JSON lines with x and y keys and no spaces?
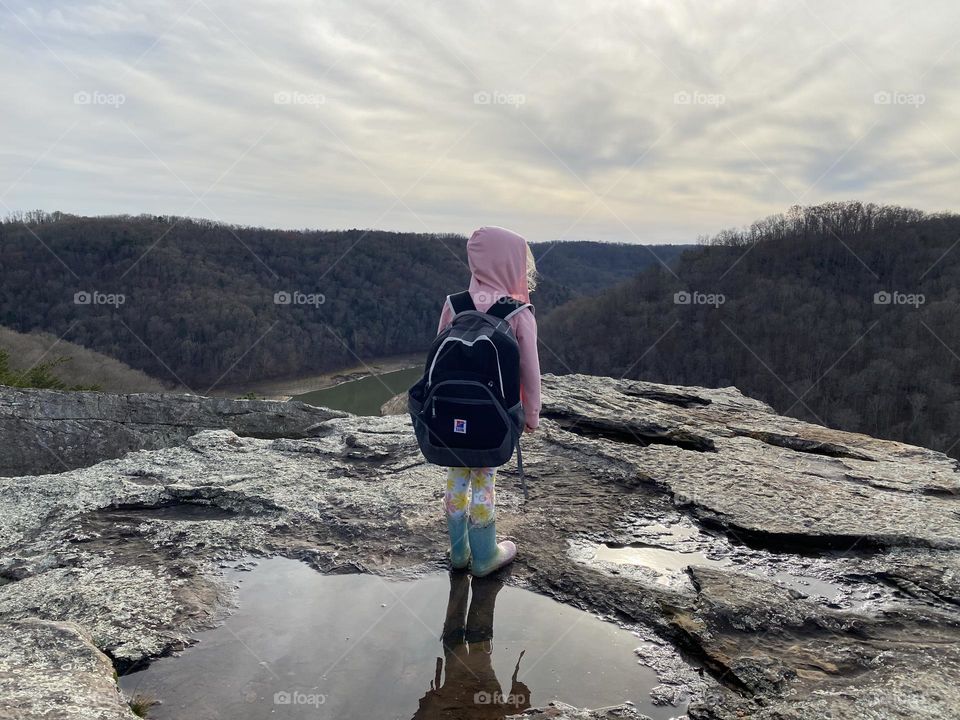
{"x":805,"y":584}
{"x":302,"y":644}
{"x":658,"y":559}
{"x":668,"y":563}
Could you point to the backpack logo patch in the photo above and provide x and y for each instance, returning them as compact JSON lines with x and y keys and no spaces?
{"x":460,"y":426}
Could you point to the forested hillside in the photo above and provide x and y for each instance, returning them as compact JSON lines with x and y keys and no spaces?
{"x":200,"y":303}
{"x":845,"y":314}
{"x":570,"y":269}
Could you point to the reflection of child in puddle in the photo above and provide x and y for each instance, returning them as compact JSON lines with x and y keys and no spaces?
{"x":470,"y":689}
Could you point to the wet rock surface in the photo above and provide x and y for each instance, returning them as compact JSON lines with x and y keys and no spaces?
{"x":53,"y":431}
{"x":560,"y":711}
{"x":835,"y":591}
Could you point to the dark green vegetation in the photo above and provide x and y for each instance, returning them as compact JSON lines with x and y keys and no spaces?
{"x":845,"y":314}
{"x":193,"y":302}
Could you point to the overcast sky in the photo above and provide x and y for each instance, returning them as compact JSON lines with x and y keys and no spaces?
{"x":634,"y":121}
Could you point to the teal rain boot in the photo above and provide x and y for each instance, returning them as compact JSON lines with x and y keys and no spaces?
{"x":487,"y":555}
{"x":459,"y":542}
{"x":479,"y":626}
{"x":453,"y":623}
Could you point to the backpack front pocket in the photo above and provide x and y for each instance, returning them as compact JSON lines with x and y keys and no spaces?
{"x":469,"y":423}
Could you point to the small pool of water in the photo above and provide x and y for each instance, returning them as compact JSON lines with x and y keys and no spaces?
{"x":666,"y":563}
{"x":366,"y":395}
{"x":660,"y":559}
{"x":306,"y":645}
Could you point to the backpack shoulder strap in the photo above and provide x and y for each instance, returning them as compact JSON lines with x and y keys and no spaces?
{"x":506,"y":307}
{"x":461,"y":302}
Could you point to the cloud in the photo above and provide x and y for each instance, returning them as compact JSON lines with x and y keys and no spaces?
{"x":649,"y":121}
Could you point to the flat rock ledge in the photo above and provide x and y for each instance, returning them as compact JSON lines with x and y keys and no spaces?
{"x":823,"y":576}
{"x":53,"y":670}
{"x":53,"y":431}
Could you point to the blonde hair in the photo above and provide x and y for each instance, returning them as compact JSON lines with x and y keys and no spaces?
{"x":532,"y":275}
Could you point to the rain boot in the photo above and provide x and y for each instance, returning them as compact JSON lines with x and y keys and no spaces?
{"x":479,"y":627}
{"x":487,"y":555}
{"x":453,"y":623}
{"x":459,"y":542}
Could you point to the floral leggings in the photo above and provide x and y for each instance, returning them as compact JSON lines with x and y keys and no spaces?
{"x":482,"y":503}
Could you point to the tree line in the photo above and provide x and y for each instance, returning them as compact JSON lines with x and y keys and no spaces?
{"x":843,"y":314}
{"x":196,"y":303}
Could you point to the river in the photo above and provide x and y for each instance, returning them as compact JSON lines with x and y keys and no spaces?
{"x":365,"y":395}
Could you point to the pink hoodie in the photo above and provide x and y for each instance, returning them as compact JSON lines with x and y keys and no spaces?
{"x":498,"y":263}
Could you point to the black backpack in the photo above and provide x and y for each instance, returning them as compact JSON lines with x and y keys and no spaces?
{"x":466,"y":408}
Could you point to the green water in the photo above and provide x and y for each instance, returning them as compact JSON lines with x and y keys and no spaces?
{"x":366,"y":395}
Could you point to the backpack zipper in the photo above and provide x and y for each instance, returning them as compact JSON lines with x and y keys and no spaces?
{"x":460,"y":340}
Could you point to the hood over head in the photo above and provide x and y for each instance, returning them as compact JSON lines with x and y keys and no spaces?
{"x":498,"y":264}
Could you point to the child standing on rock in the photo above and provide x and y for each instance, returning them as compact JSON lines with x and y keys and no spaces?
{"x":501,"y":266}
{"x":468,"y":401}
